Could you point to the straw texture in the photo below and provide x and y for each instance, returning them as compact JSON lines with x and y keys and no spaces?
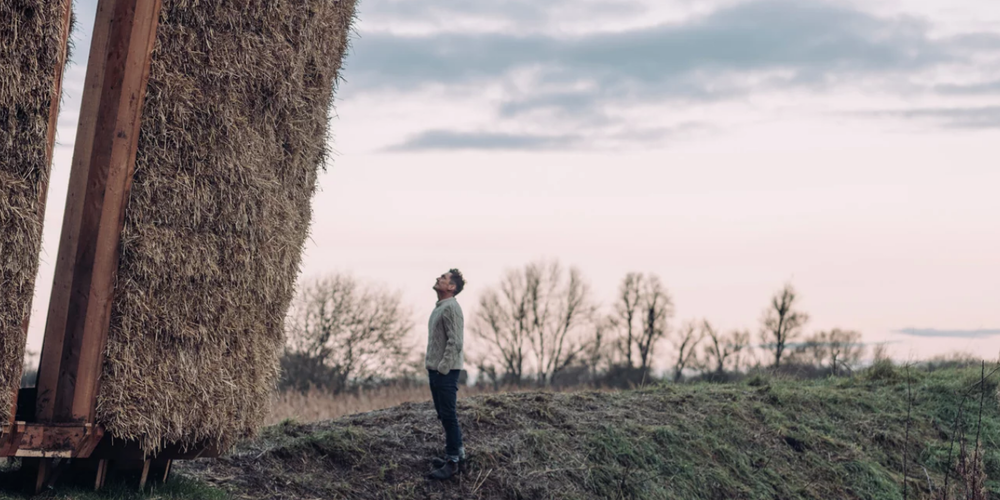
{"x":30,"y":39}
{"x":234,"y":130}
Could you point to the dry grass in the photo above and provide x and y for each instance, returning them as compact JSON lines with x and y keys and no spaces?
{"x":317,"y":405}
{"x":234,"y":132}
{"x":762,"y":438}
{"x":30,"y":53}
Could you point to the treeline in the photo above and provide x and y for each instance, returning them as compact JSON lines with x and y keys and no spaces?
{"x":542,"y":324}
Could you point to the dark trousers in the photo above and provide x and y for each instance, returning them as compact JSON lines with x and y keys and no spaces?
{"x":444,"y":390}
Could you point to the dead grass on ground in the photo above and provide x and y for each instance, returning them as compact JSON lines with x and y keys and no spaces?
{"x":317,"y":405}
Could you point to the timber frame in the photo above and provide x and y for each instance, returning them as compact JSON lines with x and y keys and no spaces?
{"x":54,"y":424}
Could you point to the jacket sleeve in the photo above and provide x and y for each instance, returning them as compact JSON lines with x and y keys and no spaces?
{"x":454,"y":326}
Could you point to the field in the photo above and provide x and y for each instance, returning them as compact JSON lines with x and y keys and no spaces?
{"x":319,"y":405}
{"x":762,"y":438}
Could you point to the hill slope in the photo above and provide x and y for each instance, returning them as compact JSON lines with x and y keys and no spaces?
{"x":839,"y":438}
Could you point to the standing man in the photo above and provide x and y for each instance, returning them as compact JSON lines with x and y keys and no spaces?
{"x":444,"y":364}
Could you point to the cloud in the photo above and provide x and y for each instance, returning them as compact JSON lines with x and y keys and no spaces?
{"x":578,"y":84}
{"x":451,"y":140}
{"x":966,"y":334}
{"x":981,"y":117}
{"x":438,"y":140}
{"x":810,"y":42}
{"x":984,"y":88}
{"x":520,"y":14}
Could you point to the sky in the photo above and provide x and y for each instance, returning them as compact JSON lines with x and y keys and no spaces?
{"x":729,"y":147}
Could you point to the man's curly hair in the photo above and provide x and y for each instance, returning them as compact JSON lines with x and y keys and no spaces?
{"x":458,"y":280}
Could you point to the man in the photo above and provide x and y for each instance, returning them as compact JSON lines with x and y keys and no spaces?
{"x":444,"y":364}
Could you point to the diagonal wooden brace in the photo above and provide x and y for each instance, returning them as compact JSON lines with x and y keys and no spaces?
{"x":103,"y":163}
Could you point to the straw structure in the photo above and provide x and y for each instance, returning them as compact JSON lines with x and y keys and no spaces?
{"x":30,"y":39}
{"x":234,"y":130}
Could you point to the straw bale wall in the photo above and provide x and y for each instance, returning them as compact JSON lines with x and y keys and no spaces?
{"x":234,"y":130}
{"x":30,"y":39}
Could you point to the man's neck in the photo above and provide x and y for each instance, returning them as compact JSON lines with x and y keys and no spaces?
{"x":444,"y":296}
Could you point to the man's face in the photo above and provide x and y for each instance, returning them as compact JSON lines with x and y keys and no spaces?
{"x":444,"y":284}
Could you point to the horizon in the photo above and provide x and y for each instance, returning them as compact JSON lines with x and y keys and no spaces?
{"x":727,"y":146}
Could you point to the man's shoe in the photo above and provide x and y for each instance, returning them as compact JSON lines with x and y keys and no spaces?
{"x":446,"y":471}
{"x":438,"y":462}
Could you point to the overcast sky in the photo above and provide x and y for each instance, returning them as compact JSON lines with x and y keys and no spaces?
{"x":727,"y":146}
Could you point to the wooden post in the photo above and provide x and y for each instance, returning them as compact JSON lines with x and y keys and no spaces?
{"x":145,"y":474}
{"x":102,"y":473}
{"x":103,"y":162}
{"x":166,"y":471}
{"x":44,"y":468}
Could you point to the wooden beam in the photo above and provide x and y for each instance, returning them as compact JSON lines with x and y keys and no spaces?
{"x":57,"y":440}
{"x":102,"y":473}
{"x":145,"y":474}
{"x":166,"y":471}
{"x":12,"y":439}
{"x":44,"y":467}
{"x":103,"y":163}
{"x":55,"y":326}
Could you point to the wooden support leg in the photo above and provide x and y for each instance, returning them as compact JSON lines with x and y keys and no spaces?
{"x":102,"y":473}
{"x":56,"y":468}
{"x":44,"y":467}
{"x":145,"y":474}
{"x":159,"y":470}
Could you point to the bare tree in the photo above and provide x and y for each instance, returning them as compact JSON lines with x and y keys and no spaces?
{"x":542,"y":307}
{"x":626,"y":310}
{"x":341,"y":332}
{"x":781,"y":323}
{"x":724,"y":348}
{"x":685,"y":341}
{"x":740,"y":340}
{"x":597,"y":352}
{"x":657,"y":308}
{"x":560,"y":307}
{"x":641,"y":312}
{"x":844,"y":348}
{"x":812,"y":351}
{"x":834,"y":348}
{"x":488,"y":374}
{"x":502,"y":321}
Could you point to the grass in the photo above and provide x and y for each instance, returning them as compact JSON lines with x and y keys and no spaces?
{"x":316,"y":405}
{"x":760,"y":439}
{"x":766,"y":438}
{"x":178,"y":488}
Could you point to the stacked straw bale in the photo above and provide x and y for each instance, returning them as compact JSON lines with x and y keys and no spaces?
{"x":30,"y":47}
{"x":234,"y":130}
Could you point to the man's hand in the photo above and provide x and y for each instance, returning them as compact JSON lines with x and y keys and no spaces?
{"x":443,"y":369}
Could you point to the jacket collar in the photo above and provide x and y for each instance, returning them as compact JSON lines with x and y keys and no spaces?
{"x":444,"y":301}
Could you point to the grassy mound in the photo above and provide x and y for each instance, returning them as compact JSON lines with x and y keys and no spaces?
{"x":765,"y":438}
